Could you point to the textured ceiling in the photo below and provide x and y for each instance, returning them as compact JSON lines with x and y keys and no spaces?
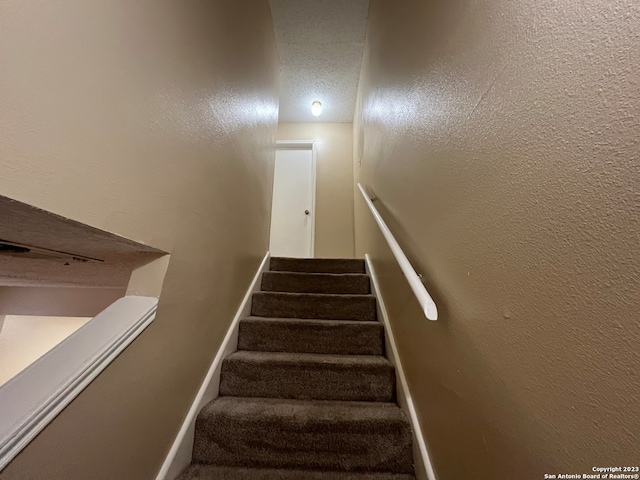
{"x":320,"y":44}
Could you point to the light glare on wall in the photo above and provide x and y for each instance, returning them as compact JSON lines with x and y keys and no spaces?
{"x":316,"y":108}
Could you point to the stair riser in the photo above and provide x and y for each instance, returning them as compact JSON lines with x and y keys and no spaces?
{"x":308,"y":381}
{"x":208,"y":472}
{"x":276,"y":305}
{"x":316,"y":265}
{"x":310,"y":283}
{"x":306,"y":336}
{"x":345,"y":446}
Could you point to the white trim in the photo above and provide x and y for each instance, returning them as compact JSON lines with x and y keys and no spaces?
{"x":426,"y":302}
{"x":423,"y":467}
{"x":34,"y":397}
{"x":313,"y":200}
{"x":179,"y":456}
{"x":310,"y":145}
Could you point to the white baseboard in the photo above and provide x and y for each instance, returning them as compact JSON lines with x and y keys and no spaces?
{"x":423,"y":467}
{"x":179,"y":456}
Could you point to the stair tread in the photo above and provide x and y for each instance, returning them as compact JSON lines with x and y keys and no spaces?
{"x":315,"y":295}
{"x":309,"y":358}
{"x":209,"y":472}
{"x":314,"y":305}
{"x":317,"y":265}
{"x":304,"y":282}
{"x":311,"y":434}
{"x":304,"y":335}
{"x":312,"y":321}
{"x":368,"y":378}
{"x":291,"y":411}
{"x":319,"y":274}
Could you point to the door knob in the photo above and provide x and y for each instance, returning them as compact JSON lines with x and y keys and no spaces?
{"x":306,"y":212}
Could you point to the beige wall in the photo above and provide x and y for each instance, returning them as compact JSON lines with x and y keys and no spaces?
{"x":155,"y":120}
{"x":24,"y":339}
{"x":334,"y":183}
{"x":501,"y":138}
{"x":61,"y":302}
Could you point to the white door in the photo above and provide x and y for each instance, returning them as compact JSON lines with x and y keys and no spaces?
{"x":292,"y":211}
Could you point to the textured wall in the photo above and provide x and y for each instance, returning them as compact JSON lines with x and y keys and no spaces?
{"x":154,"y":120}
{"x":334,"y":184}
{"x":501,"y":138}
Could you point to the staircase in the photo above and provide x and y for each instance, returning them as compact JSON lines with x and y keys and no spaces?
{"x":309,"y":394}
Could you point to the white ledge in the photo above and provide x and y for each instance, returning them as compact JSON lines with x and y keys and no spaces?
{"x":31,"y":399}
{"x":426,"y":302}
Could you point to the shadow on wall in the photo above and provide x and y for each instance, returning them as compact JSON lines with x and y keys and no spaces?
{"x":24,"y":339}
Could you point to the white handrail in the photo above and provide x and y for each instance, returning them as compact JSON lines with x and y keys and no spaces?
{"x":426,"y":302}
{"x":36,"y":395}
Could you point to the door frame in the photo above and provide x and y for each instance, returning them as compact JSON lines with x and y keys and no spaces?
{"x":303,"y":145}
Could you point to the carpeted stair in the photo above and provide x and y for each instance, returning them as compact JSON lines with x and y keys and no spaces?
{"x":309,"y":393}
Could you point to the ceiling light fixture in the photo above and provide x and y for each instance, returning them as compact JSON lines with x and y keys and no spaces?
{"x":316,"y":108}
